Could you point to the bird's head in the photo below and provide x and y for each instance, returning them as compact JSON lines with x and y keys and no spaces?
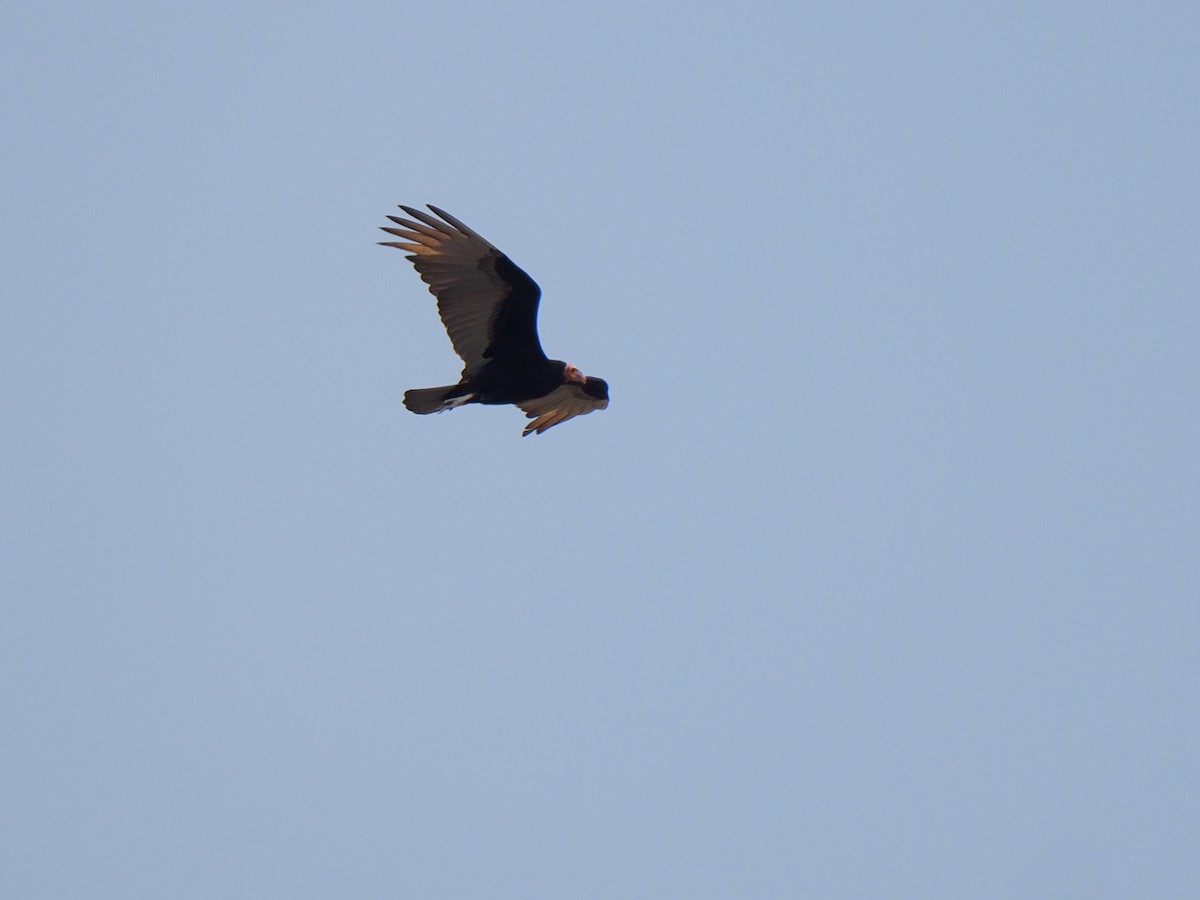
{"x":590,"y":385}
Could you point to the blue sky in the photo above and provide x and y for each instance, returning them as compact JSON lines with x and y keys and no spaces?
{"x":877,"y":578}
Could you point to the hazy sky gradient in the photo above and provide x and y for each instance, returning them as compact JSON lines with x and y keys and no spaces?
{"x":878,"y":578}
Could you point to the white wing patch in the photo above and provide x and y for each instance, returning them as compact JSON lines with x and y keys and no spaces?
{"x":564,"y":402}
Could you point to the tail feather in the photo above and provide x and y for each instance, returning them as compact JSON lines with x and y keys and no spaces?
{"x":423,"y":401}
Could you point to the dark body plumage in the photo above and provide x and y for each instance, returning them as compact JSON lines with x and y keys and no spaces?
{"x":489,"y":307}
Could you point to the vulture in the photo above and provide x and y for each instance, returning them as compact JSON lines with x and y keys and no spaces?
{"x":489,"y":308}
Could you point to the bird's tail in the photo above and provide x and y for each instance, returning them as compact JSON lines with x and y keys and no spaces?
{"x":423,"y":401}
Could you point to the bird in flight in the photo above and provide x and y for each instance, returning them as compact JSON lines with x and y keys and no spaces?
{"x":489,"y":307}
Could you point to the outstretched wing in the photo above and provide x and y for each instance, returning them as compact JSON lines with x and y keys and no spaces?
{"x":564,"y":402}
{"x":488,"y":305}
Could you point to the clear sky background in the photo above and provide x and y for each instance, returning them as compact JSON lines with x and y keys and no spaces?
{"x":878,"y":578}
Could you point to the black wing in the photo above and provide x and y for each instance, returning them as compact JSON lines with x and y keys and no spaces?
{"x":488,"y":305}
{"x":564,"y":402}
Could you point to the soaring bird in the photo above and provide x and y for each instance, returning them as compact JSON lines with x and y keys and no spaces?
{"x":489,"y":307}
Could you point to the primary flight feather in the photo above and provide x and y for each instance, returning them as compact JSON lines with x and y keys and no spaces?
{"x":489,"y":307}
